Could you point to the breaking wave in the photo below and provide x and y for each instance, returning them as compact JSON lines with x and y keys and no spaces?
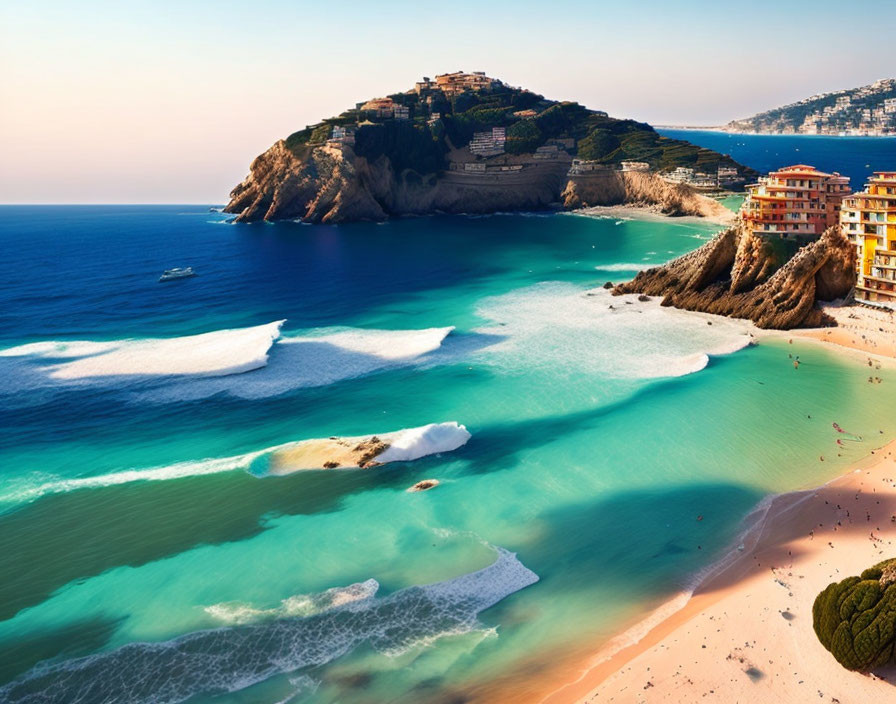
{"x":404,"y":446}
{"x":199,"y":366}
{"x":233,"y":658}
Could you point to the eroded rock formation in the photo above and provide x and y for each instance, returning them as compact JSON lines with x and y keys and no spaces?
{"x":332,"y":184}
{"x":743,"y":275}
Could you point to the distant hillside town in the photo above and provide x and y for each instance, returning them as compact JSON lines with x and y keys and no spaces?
{"x":866,"y":111}
{"x":490,"y":119}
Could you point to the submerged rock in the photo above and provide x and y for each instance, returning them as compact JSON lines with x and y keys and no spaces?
{"x":424,"y":485}
{"x":774,"y":283}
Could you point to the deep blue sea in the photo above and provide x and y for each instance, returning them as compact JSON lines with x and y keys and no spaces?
{"x":856,"y":157}
{"x":615,"y":449}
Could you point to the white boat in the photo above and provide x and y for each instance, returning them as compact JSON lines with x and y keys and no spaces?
{"x":177,"y":273}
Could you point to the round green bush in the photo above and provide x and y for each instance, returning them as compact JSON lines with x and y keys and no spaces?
{"x":855,"y":619}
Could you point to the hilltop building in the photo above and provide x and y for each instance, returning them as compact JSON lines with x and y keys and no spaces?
{"x":797,"y":201}
{"x":453,"y":83}
{"x":382,"y":107}
{"x":868,"y":219}
{"x":488,"y":143}
{"x":635,"y":166}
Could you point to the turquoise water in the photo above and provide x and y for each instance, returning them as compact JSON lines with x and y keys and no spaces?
{"x":142,"y":557}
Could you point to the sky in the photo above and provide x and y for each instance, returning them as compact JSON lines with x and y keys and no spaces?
{"x":168,"y":102}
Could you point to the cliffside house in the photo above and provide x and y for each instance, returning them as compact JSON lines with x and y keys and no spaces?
{"x":635,"y":166}
{"x":582,"y":167}
{"x":727,"y":175}
{"x":684,"y":174}
{"x":381,"y":107}
{"x":868,"y":219}
{"x":341,"y":135}
{"x":548,"y":151}
{"x":401,"y":112}
{"x":796,"y":201}
{"x":489,"y":143}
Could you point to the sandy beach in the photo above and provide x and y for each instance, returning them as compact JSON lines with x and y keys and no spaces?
{"x":651,"y":213}
{"x":862,"y":328}
{"x":745,"y":634}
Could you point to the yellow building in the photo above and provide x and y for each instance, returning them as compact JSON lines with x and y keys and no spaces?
{"x":868,"y":219}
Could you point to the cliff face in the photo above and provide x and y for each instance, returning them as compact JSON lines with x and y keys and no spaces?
{"x":741,"y":275}
{"x":332,"y":184}
{"x":639,"y":188}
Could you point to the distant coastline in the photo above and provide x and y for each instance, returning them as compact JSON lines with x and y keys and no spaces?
{"x":723,"y":130}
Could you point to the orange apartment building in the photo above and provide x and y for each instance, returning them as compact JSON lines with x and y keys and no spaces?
{"x":868,"y":219}
{"x":795,"y":202}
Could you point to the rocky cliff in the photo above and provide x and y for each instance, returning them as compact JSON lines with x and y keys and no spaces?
{"x":333,"y":184}
{"x":466,"y":143}
{"x":742,"y":275}
{"x":641,"y":189}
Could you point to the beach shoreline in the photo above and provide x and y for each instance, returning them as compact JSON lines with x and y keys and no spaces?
{"x":650,"y":214}
{"x":697,"y":643}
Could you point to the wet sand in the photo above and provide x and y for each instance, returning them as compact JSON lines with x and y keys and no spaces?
{"x":746,"y":634}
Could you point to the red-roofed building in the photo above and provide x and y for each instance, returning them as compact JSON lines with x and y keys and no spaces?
{"x":796,"y":201}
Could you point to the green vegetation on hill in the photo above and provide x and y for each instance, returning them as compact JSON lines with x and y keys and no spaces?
{"x":416,"y":144}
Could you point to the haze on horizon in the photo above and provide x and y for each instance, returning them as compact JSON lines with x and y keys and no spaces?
{"x":167,"y":102}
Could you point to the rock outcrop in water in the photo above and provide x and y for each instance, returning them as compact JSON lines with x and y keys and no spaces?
{"x":743,"y":275}
{"x":482,"y":149}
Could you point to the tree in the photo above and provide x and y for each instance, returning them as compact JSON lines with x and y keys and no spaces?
{"x":855,"y":619}
{"x":523,"y":137}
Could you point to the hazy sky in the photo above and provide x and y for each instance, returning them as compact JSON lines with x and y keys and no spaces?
{"x":107,"y":102}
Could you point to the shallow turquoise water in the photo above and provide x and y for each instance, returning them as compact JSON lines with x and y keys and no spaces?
{"x":601,"y":431}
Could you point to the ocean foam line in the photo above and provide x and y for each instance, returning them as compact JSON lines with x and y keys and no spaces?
{"x":640,"y":266}
{"x":233,"y":658}
{"x":405,"y":445}
{"x":180,"y":470}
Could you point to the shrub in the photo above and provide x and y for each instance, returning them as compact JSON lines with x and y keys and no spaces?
{"x":598,"y":144}
{"x":855,"y":619}
{"x":523,"y":137}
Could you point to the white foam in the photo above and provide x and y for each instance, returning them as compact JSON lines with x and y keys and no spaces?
{"x":640,"y":266}
{"x":199,"y":366}
{"x":405,"y":445}
{"x":238,"y":613}
{"x":209,"y":354}
{"x":179,"y":470}
{"x":557,"y":326}
{"x":317,"y":359}
{"x":414,"y":443}
{"x":233,"y":658}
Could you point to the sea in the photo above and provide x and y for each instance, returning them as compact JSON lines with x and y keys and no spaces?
{"x":617,"y":449}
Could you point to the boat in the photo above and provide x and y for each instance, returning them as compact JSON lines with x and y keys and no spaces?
{"x":177,"y":273}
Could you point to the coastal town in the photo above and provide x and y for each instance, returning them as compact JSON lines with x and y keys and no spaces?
{"x":800,"y":202}
{"x":432,"y":99}
{"x":868,"y":111}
